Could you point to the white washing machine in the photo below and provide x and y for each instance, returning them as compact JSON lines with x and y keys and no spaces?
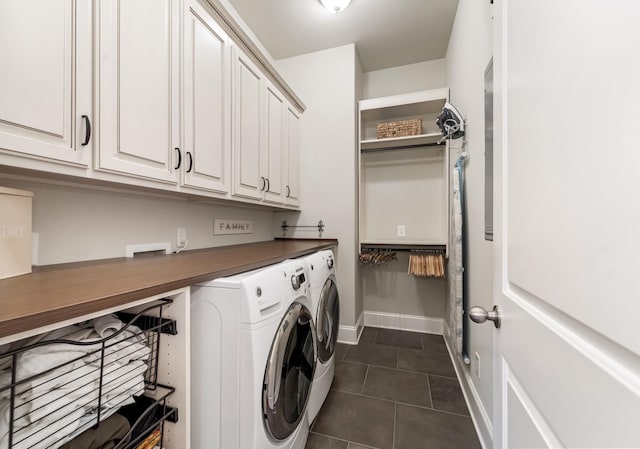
{"x":253,"y":360}
{"x":325,"y":306}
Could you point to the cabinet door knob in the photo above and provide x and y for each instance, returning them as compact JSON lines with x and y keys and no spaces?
{"x":264,"y":183}
{"x":87,"y":132}
{"x":288,"y":192}
{"x":268,"y":184}
{"x":179,"y":159}
{"x":190,"y":162}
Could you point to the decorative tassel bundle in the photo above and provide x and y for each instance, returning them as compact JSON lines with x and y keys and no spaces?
{"x":427,"y":265}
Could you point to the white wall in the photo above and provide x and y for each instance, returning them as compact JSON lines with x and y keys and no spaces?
{"x":389,"y":289}
{"x":325,"y":81}
{"x":404,"y":79}
{"x":77,"y":223}
{"x":469,"y":51}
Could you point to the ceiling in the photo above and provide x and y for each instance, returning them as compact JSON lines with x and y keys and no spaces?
{"x":387,"y":33}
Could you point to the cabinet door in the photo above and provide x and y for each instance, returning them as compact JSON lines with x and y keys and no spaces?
{"x":273,"y":157}
{"x":292,"y":187}
{"x":137,"y":88}
{"x":247,"y":160}
{"x":207,"y":101}
{"x":45,"y":78}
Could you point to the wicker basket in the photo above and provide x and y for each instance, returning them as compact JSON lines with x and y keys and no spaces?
{"x":400,"y":128}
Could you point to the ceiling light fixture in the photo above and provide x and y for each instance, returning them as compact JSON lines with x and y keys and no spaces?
{"x":335,"y":6}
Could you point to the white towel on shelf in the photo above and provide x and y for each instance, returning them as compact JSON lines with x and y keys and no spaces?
{"x":56,"y":355}
{"x":41,"y":398}
{"x":107,"y":325}
{"x":43,"y":434}
{"x":121,"y":382}
{"x":129,"y":345}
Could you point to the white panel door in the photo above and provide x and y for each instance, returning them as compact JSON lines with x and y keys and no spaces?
{"x":292,"y":158}
{"x":136,"y":87}
{"x":274,"y":149}
{"x":45,"y":79}
{"x":248,"y":179}
{"x":207,"y":101}
{"x":567,"y":221}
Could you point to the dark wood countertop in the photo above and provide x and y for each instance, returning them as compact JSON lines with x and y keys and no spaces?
{"x":56,"y":293}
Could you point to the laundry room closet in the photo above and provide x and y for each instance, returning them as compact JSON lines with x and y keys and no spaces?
{"x":403,"y":210}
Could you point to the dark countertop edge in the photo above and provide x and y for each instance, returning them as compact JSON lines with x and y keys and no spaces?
{"x":36,"y":320}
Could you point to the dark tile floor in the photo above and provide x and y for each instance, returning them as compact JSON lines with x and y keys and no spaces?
{"x":394,"y":390}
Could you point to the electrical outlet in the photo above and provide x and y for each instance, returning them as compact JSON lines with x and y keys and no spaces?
{"x":181,"y":238}
{"x":402,"y":231}
{"x":477,"y":365}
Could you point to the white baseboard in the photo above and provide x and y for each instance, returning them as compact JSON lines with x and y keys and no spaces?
{"x":351,"y":334}
{"x":479,"y":416}
{"x":413,"y":323}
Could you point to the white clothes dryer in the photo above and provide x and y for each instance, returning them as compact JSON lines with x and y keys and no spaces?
{"x":253,"y":360}
{"x":325,"y":306}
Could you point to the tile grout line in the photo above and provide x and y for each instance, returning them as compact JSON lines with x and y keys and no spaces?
{"x":404,"y":370}
{"x":395,"y":420}
{"x":366,"y":373}
{"x":429,"y":390}
{"x":408,"y":404}
{"x":397,"y":356}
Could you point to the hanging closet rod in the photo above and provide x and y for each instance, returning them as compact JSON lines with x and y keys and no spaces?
{"x":285,"y":227}
{"x":402,"y":247}
{"x":399,"y":147}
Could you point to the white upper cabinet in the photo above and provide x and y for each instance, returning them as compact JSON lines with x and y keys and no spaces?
{"x":260,"y":135}
{"x":137,"y":88}
{"x":248,"y":180}
{"x":45,"y":79}
{"x":292,"y":159}
{"x":151,"y":93}
{"x":206,"y":101}
{"x":273,"y":159}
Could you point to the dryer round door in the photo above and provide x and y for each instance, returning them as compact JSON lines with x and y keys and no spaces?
{"x":289,"y":373}
{"x":328,"y":319}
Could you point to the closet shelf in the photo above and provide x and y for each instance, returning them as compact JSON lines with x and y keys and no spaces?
{"x":395,"y":143}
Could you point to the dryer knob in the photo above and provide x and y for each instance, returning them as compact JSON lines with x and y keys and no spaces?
{"x":330,"y":262}
{"x":295,"y":281}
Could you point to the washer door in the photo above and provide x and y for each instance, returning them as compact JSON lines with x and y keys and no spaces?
{"x":328,"y":319}
{"x":289,"y":373}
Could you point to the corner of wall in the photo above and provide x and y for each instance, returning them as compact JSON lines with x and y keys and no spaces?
{"x":470,"y":48}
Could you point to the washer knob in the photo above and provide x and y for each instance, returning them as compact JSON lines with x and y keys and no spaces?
{"x":295,"y":282}
{"x":330,"y":262}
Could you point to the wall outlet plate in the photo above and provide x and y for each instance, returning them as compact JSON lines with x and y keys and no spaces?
{"x":402,"y":231}
{"x":181,"y":239}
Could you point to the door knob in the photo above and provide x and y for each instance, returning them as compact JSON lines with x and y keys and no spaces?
{"x":479,"y":315}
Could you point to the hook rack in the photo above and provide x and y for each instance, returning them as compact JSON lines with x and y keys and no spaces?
{"x":285,"y":227}
{"x":434,"y":249}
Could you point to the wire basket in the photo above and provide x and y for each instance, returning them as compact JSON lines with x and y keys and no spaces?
{"x":55,"y":386}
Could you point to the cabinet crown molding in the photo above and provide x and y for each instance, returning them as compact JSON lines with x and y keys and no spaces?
{"x":241,"y":38}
